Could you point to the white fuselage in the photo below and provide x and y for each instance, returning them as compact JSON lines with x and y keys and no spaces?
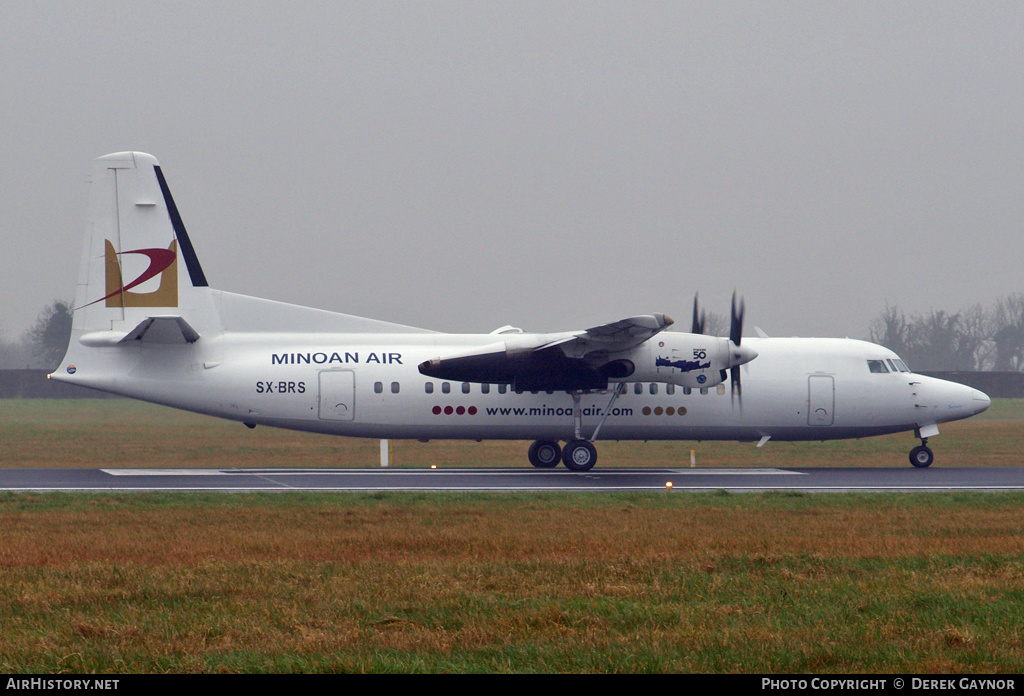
{"x":368,"y":385}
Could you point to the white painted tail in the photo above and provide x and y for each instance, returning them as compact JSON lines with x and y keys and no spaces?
{"x":138,"y":262}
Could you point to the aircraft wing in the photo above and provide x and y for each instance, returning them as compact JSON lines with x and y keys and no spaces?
{"x":620,"y":335}
{"x":536,"y":362}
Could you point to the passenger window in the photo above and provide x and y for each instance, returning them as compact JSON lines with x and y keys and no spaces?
{"x":378,"y":387}
{"x":877,"y":366}
{"x":485,"y":389}
{"x":638,"y":388}
{"x":446,"y":387}
{"x":465,"y":387}
{"x":687,"y":390}
{"x":502,"y":388}
{"x":670,"y":389}
{"x":429,"y":387}
{"x":654,"y":388}
{"x":395,"y":387}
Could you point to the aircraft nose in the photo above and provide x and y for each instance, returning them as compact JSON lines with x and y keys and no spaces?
{"x":948,"y":401}
{"x":980,"y":400}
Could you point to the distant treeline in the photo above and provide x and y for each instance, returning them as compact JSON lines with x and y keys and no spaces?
{"x":974,"y":339}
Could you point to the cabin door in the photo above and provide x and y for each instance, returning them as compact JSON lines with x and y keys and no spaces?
{"x":337,"y":397}
{"x":821,"y":400}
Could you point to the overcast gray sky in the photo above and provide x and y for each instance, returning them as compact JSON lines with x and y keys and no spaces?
{"x":552,"y":165}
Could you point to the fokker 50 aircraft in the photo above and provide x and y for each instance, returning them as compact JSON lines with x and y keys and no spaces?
{"x":148,"y":326}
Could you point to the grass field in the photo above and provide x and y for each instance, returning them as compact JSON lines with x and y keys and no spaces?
{"x":121,"y":432}
{"x":405,"y":582}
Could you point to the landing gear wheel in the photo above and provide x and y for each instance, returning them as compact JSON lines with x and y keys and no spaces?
{"x":921,"y":457}
{"x":545,"y":454}
{"x":579,"y":455}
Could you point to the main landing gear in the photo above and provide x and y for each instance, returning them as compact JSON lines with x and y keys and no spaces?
{"x":545,"y":454}
{"x":579,"y":453}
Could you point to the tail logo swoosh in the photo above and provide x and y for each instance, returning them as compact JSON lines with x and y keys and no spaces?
{"x":162,"y":262}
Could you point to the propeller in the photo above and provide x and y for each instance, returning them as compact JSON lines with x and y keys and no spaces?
{"x":738,"y":354}
{"x":735,"y":337}
{"x":736,"y":323}
{"x":699,"y":318}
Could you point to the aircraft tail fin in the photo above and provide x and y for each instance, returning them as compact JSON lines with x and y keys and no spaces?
{"x":138,"y":261}
{"x":140,"y":280}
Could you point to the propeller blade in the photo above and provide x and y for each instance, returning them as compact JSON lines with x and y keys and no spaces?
{"x":736,"y":389}
{"x":736,"y":325}
{"x":735,"y":337}
{"x":698,"y":317}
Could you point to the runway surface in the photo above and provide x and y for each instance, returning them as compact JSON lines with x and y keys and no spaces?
{"x":736,"y":480}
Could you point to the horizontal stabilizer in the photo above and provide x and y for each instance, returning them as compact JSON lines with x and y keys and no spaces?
{"x":163,"y":330}
{"x":160,"y":330}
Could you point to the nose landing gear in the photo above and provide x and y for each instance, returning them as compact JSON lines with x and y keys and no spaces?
{"x":921,"y":456}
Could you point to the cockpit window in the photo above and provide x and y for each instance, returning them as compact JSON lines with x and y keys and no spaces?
{"x":887,"y":365}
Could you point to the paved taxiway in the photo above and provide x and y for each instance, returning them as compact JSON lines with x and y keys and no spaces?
{"x":737,"y":480}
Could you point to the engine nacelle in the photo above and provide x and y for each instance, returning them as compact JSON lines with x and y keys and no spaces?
{"x":684,"y":359}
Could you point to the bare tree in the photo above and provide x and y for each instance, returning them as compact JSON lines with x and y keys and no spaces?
{"x":942,"y":341}
{"x":972,"y":342}
{"x":51,"y":333}
{"x":1008,"y":333}
{"x":6,"y":352}
{"x":890,"y":330}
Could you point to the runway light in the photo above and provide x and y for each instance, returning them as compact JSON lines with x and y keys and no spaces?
{"x":668,"y":484}
{"x":433,"y":466}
